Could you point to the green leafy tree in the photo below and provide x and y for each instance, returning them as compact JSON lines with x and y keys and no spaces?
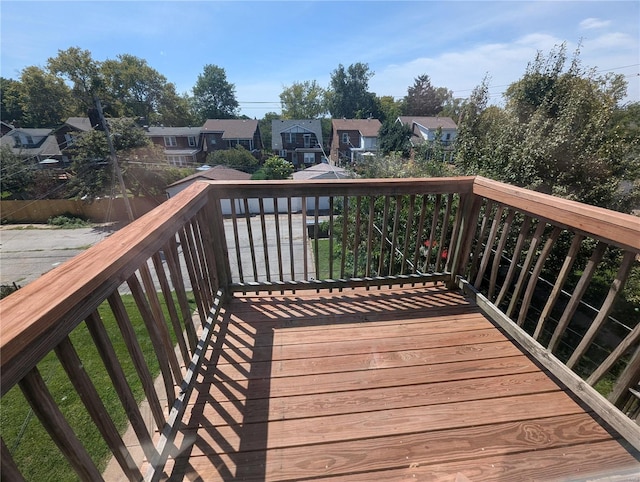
{"x":276,"y":168}
{"x":390,"y":109}
{"x":174,"y":109}
{"x":423,"y":99}
{"x":77,"y":66}
{"x":303,"y":100}
{"x":213,"y":96}
{"x":16,"y":175}
{"x":236,"y":158}
{"x":265,"y":128}
{"x":348,"y":95}
{"x":394,"y":137}
{"x":44,"y":98}
{"x":10,"y":108}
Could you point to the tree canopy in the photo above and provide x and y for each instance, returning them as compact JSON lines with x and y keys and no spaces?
{"x":348,"y":95}
{"x":303,"y":100}
{"x":213,"y":96}
{"x":423,"y":99}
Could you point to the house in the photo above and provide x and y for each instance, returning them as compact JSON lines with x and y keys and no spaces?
{"x":426,"y":129}
{"x":228,"y":133}
{"x":182,"y":145}
{"x":5,"y":128}
{"x":35,"y":145}
{"x":299,"y":141}
{"x":322,"y":171}
{"x":216,"y":173}
{"x":353,"y":137}
{"x":68,"y":133}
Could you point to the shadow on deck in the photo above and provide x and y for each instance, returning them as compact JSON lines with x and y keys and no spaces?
{"x":395,"y":383}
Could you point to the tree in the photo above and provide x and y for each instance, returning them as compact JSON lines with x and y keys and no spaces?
{"x":133,"y":87}
{"x":213,"y":96}
{"x":423,"y":99}
{"x":348,"y":96}
{"x":236,"y":158}
{"x":394,"y":137}
{"x":274,"y":168}
{"x":390,"y":109}
{"x":16,"y":175}
{"x":77,"y":66}
{"x":10,"y":108}
{"x":45,"y":100}
{"x":264,"y":125}
{"x":303,"y":100}
{"x":174,"y":109}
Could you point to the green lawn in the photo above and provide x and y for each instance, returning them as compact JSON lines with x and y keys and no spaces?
{"x":323,"y":258}
{"x":35,"y":453}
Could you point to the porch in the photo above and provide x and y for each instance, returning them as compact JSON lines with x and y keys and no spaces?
{"x":425,"y":346}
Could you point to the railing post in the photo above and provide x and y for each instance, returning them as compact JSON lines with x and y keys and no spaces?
{"x":216,"y":227}
{"x":469,"y":210}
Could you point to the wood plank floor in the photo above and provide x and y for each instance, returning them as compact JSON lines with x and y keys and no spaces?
{"x":385,"y":384}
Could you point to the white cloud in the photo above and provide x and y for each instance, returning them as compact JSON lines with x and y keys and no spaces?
{"x":592,"y":23}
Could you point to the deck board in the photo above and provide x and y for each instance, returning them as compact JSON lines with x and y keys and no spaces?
{"x":389,"y":384}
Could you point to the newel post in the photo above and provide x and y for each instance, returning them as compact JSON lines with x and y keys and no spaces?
{"x":216,"y":225}
{"x":469,"y":210}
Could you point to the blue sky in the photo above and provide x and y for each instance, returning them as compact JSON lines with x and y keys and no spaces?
{"x":266,"y":46}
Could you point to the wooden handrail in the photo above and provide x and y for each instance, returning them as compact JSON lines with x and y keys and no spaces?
{"x":68,"y":294}
{"x":619,"y":229}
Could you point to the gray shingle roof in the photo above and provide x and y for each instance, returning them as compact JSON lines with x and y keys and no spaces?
{"x":232,"y":128}
{"x":366,"y":127}
{"x":429,"y":122}
{"x":282,"y":125}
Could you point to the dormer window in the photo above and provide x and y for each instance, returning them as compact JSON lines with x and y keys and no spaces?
{"x":345,"y":138}
{"x":170,"y":141}
{"x":192,"y":141}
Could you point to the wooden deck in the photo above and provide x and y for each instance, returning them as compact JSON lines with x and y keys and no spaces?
{"x":385,"y":384}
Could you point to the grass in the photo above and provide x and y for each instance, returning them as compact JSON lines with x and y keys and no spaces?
{"x":33,"y":450}
{"x":323,"y":258}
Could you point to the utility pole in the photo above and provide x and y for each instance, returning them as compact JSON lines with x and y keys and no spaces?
{"x":112,"y":155}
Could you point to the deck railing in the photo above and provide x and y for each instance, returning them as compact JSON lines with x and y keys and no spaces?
{"x":549,"y":267}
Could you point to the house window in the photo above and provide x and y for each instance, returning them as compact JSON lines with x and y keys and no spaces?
{"x":448,"y":138}
{"x":307,"y":140}
{"x":283,"y":153}
{"x":170,"y":141}
{"x":192,"y":141}
{"x":290,"y":137}
{"x":68,"y":138}
{"x":345,"y":138}
{"x":309,"y":158}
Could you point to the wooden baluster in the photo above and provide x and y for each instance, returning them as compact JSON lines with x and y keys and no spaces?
{"x":207,"y":255}
{"x":628,"y":379}
{"x":557,"y":287}
{"x":72,"y":364}
{"x":171,"y":307}
{"x":367,"y":272}
{"x":497,"y":258}
{"x":356,"y":242}
{"x":265,"y":240}
{"x":419,"y":243}
{"x":407,"y":234}
{"x":290,"y":226}
{"x":345,"y":225}
{"x":252,"y":247}
{"x":526,"y":300}
{"x":276,"y":218}
{"x":383,"y":235}
{"x":51,"y":418}
{"x":121,"y":386}
{"x":605,"y":309}
{"x":8,"y":468}
{"x":193,"y":276}
{"x":443,"y":235}
{"x":157,"y":317}
{"x":394,"y":235}
{"x":491,"y":239}
{"x":517,"y":253}
{"x":432,"y":235}
{"x":131,"y":342}
{"x":577,"y":295}
{"x":304,"y":239}
{"x":191,"y":233}
{"x":526,"y":265}
{"x":171,"y":257}
{"x":330,"y":232}
{"x":488,"y":209}
{"x":236,"y":239}
{"x":154,"y":335}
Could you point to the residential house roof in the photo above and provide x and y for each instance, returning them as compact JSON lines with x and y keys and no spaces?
{"x":279,"y":126}
{"x":44,"y":142}
{"x":322,"y":171}
{"x":173,"y":131}
{"x":429,"y":122}
{"x":366,"y":127}
{"x":232,"y":128}
{"x":216,"y":173}
{"x":79,"y":123}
